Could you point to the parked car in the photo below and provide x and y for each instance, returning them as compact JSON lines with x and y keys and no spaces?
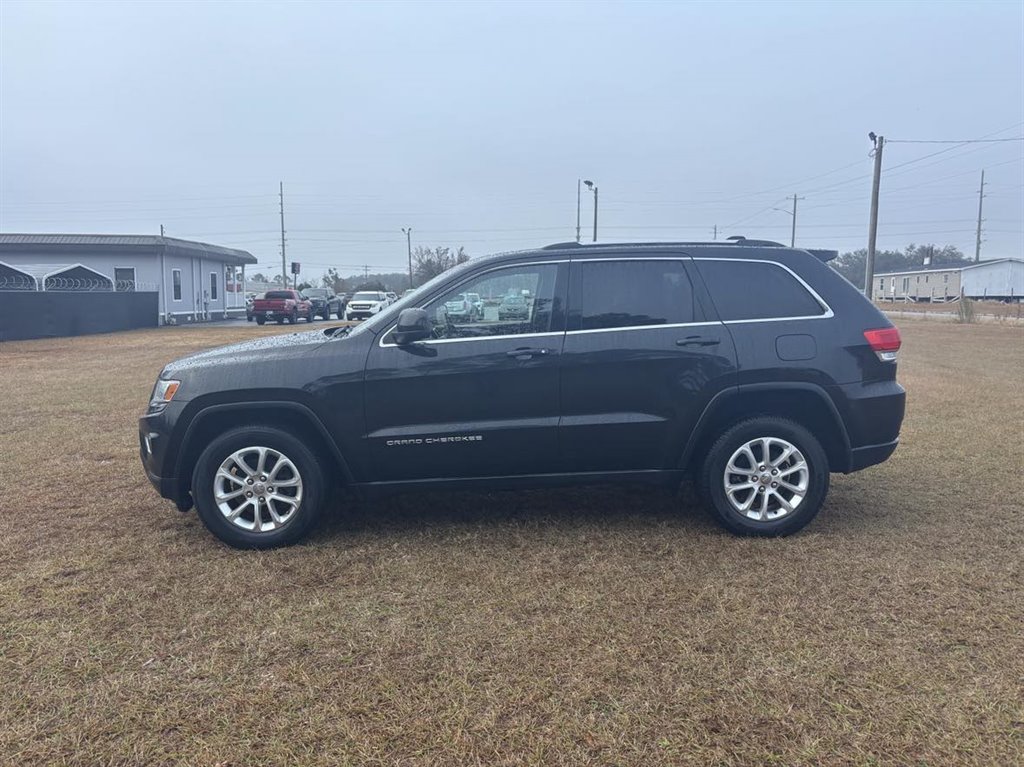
{"x":462,"y":307}
{"x":478,"y":303}
{"x":248,"y":304}
{"x":514,"y":307}
{"x":754,"y":368}
{"x":392,"y":297}
{"x":325,"y":303}
{"x":281,"y":305}
{"x":365,"y":304}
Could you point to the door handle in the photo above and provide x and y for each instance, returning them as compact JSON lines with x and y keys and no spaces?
{"x":525,"y":354}
{"x":698,"y":341}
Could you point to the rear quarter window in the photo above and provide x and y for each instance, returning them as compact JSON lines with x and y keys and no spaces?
{"x":756,"y":290}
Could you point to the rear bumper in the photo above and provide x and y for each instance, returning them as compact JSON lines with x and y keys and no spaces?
{"x":869,"y":455}
{"x":873,"y":414}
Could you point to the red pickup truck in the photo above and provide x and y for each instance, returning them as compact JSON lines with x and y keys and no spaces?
{"x":282,"y":305}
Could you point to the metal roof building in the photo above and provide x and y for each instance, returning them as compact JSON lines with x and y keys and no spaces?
{"x":1000,"y":279}
{"x":194,"y":281}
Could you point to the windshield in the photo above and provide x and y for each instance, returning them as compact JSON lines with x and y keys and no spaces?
{"x":410,"y":298}
{"x":278,"y":294}
{"x":365,"y":296}
{"x":316,"y":293}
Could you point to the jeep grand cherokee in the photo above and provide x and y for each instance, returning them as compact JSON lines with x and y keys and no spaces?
{"x":753,"y":367}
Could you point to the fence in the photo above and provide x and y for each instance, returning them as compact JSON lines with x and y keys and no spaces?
{"x":71,"y":311}
{"x":76,"y":284}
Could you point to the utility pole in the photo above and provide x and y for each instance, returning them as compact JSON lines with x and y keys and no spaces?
{"x":161,"y":230}
{"x":869,"y":266}
{"x":977,"y":241}
{"x":715,"y":232}
{"x":577,"y":211}
{"x":792,"y":236}
{"x":366,"y":272}
{"x":284,"y":268}
{"x":408,"y":247}
{"x":593,"y":187}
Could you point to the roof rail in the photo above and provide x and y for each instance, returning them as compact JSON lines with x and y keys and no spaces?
{"x":739,"y":239}
{"x":734,"y":240}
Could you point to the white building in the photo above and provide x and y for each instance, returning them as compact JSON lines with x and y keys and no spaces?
{"x":998,"y":279}
{"x":194,"y":281}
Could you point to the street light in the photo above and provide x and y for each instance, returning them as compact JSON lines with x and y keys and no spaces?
{"x":593,"y":187}
{"x":408,"y":247}
{"x":792,"y":236}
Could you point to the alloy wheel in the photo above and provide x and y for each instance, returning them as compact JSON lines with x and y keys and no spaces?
{"x":766,"y":479}
{"x":258,"y":489}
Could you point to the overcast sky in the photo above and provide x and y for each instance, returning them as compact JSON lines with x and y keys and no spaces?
{"x":471,"y":122}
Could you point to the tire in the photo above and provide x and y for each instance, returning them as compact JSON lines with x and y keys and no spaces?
{"x":280,"y":320}
{"x":293,"y":317}
{"x":298,"y":519}
{"x":261,"y":320}
{"x":774,"y":520}
{"x":310,"y":316}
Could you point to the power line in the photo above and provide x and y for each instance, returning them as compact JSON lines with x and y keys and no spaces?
{"x":963,"y":141}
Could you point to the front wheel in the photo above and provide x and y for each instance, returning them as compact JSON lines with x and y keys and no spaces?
{"x":258,"y":487}
{"x":766,"y":476}
{"x":261,"y":320}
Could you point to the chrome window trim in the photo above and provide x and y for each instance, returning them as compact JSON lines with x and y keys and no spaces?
{"x":642,"y":327}
{"x":682,"y":257}
{"x":474,"y":275}
{"x":828,"y":313}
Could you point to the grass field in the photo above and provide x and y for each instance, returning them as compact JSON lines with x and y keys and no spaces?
{"x":991,"y":310}
{"x":574,"y":627}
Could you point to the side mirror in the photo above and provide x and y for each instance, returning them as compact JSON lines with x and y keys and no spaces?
{"x":413,"y":325}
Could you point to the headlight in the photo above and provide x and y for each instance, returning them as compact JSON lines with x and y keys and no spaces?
{"x":163,"y":393}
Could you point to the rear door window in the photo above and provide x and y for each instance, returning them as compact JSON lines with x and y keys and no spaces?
{"x":632,"y":293}
{"x":756,"y":290}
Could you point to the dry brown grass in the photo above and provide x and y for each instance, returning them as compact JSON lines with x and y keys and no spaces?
{"x":604,"y":626}
{"x":994,"y":309}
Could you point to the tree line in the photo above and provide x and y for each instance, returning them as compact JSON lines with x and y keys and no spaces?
{"x":427,"y":263}
{"x":851,"y":265}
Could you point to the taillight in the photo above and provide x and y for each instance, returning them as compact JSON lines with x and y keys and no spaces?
{"x":885,"y":342}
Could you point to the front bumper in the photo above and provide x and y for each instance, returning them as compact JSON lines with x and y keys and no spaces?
{"x":153,"y":452}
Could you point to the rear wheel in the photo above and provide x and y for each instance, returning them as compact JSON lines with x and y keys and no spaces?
{"x":310,"y":316}
{"x":766,"y":476}
{"x":258,"y":487}
{"x":280,"y":320}
{"x":261,"y":320}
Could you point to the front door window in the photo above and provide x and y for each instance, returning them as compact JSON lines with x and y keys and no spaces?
{"x":503,"y":302}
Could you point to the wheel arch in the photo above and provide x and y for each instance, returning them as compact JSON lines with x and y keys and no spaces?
{"x":293,"y":417}
{"x":805,"y":403}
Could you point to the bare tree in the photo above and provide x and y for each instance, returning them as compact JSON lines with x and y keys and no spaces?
{"x":428,"y":263}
